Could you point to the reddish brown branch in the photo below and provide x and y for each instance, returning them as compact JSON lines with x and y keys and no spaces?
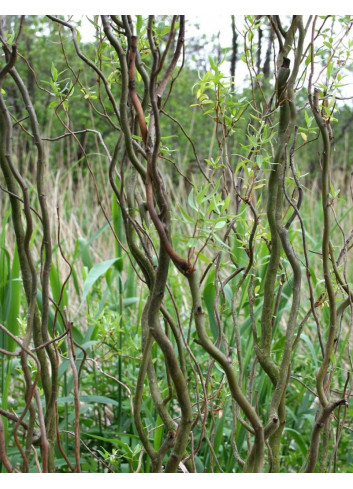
{"x":183,"y":266}
{"x":175,"y":58}
{"x":132,"y":90}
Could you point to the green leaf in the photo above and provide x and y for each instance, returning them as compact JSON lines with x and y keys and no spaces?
{"x":308,"y":119}
{"x":212,"y":63}
{"x":185,"y":215}
{"x":191,"y":200}
{"x":98,"y":399}
{"x":138,"y":24}
{"x":94,"y":274}
{"x":310,"y":345}
{"x":84,"y":253}
{"x":114,"y":441}
{"x":130,"y":300}
{"x":333,"y":358}
{"x":226,"y":203}
{"x":220,"y":224}
{"x":298,"y":438}
{"x":219,"y":433}
{"x":204,"y":258}
{"x":209,"y":294}
{"x":158,"y":434}
{"x":329,"y":70}
{"x":15,"y":301}
{"x":54,"y":72}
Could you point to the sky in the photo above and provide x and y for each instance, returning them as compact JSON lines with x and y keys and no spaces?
{"x":187,"y":7}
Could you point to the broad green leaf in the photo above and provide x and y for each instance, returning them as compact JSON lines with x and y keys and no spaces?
{"x":94,"y":274}
{"x":219,"y":432}
{"x":209,"y":294}
{"x":54,"y":72}
{"x":298,"y":439}
{"x":97,"y":399}
{"x":15,"y":300}
{"x":158,"y":434}
{"x":138,"y":24}
{"x":310,"y":345}
{"x":84,"y":253}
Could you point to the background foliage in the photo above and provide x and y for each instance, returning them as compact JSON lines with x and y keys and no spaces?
{"x":155,"y":366}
